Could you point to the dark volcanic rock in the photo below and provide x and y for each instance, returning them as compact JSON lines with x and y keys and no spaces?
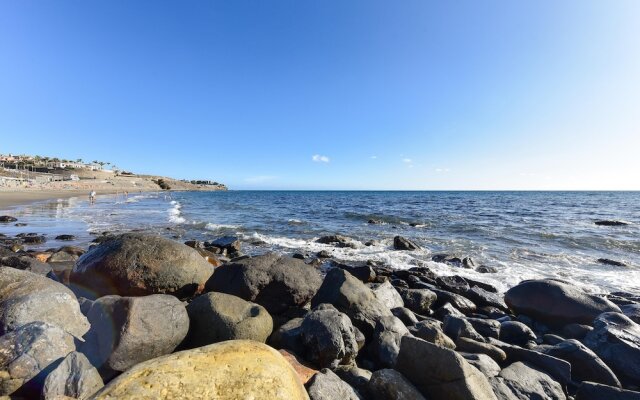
{"x":556,"y":303}
{"x":128,"y":330}
{"x":136,"y":264}
{"x":34,"y":239}
{"x":273,"y":281}
{"x":325,"y":385}
{"x":7,"y":218}
{"x":65,"y":237}
{"x":389,"y":384}
{"x":610,"y":223}
{"x":441,"y":373}
{"x":74,"y":377}
{"x":227,"y":244}
{"x":418,"y":300}
{"x":215,"y":317}
{"x":400,"y":243}
{"x":526,"y":382}
{"x":613,"y":263}
{"x":329,"y":337}
{"x":26,"y":263}
{"x":28,"y":354}
{"x":514,"y":332}
{"x":595,"y":391}
{"x":585,"y":364}
{"x":616,"y":339}
{"x":456,"y":327}
{"x":337,"y":241}
{"x":26,"y":297}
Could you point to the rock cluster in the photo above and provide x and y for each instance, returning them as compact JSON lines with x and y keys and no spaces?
{"x":140,"y":316}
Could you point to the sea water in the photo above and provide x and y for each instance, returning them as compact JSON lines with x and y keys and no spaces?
{"x":523,"y":235}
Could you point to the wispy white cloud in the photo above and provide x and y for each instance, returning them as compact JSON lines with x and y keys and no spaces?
{"x":441,"y":170}
{"x":319,"y":158}
{"x":260,"y":179}
{"x":407,"y":160}
{"x":374,"y":157}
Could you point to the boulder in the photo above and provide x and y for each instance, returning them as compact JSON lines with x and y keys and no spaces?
{"x":556,"y":303}
{"x":456,"y":327}
{"x":27,"y":263}
{"x":610,"y":223}
{"x":484,"y":298}
{"x":137,"y":264}
{"x":632,"y":311}
{"x":400,"y":243}
{"x":389,"y":384}
{"x":387,"y":295}
{"x":585,"y":364}
{"x":128,"y":330}
{"x":222,"y":371}
{"x":26,"y":297}
{"x":472,"y":346}
{"x":613,"y":263}
{"x":405,"y":315}
{"x":418,"y":300}
{"x":385,"y":342}
{"x":441,"y":373}
{"x":28,"y":354}
{"x":526,"y":383}
{"x":357,"y":378}
{"x":337,"y":241}
{"x":7,"y":218}
{"x":273,"y":281}
{"x":595,"y":391}
{"x":65,"y":237}
{"x":463,"y":304}
{"x":226,"y":245}
{"x":514,"y":332}
{"x":486,"y":327}
{"x":325,"y":385}
{"x":288,"y":336}
{"x":483,"y":363}
{"x":215,"y":317}
{"x":576,"y":331}
{"x":431,"y":332}
{"x":353,"y":298}
{"x":74,"y":377}
{"x":616,"y":340}
{"x":328,"y":337}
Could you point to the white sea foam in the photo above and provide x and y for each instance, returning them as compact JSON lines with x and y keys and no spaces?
{"x":210,"y":226}
{"x":174,"y":213}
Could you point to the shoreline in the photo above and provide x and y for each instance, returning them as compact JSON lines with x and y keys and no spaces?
{"x":12,"y":199}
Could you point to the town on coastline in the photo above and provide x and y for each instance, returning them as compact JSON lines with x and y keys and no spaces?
{"x":27,"y":172}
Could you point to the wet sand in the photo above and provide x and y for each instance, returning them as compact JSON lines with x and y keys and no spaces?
{"x":9,"y":199}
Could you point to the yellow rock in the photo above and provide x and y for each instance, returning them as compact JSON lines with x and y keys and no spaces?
{"x":235,"y":369}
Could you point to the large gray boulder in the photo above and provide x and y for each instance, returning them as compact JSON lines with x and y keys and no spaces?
{"x":273,"y":281}
{"x":456,"y":327}
{"x":387,"y":294}
{"x":441,"y":373}
{"x":389,"y":384}
{"x":325,"y":385}
{"x":616,"y":339}
{"x":136,"y":264}
{"x":483,"y":363}
{"x":353,"y":298}
{"x":528,"y":383}
{"x":128,"y":330}
{"x":26,"y":263}
{"x":596,"y":391}
{"x":418,"y":300}
{"x":26,"y":297}
{"x":28,"y":354}
{"x":328,"y":337}
{"x":585,"y":364}
{"x":74,"y":377}
{"x":555,"y":302}
{"x":215,"y":317}
{"x":431,"y":331}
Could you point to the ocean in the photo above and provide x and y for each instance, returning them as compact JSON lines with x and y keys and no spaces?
{"x":522,"y":235}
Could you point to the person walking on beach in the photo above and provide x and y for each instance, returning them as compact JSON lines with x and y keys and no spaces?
{"x":92,"y":197}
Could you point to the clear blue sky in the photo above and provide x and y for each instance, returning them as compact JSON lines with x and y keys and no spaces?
{"x":330,"y":94}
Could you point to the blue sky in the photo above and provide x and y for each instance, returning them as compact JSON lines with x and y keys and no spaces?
{"x":330,"y":94}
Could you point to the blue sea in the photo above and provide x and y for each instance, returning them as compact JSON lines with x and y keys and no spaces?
{"x":522,"y":234}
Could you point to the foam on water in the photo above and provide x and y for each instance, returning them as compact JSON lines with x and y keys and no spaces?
{"x":175,"y":213}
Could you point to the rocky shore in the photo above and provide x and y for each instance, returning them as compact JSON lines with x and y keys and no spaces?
{"x":138,"y":316}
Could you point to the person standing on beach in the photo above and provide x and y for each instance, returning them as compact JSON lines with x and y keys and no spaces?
{"x":92,"y":197}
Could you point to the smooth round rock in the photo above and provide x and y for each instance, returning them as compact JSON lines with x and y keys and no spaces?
{"x":235,"y":369}
{"x":216,"y":317}
{"x":137,"y":264}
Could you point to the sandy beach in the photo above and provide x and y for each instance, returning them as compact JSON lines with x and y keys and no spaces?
{"x":10,"y":199}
